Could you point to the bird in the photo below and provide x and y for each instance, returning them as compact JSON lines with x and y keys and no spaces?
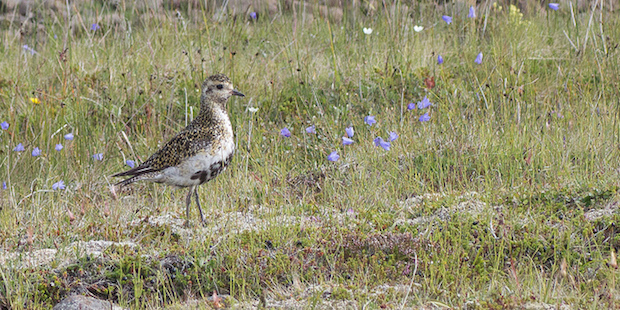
{"x":199,"y":152}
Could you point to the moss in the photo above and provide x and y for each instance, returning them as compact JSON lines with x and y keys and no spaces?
{"x":340,"y":293}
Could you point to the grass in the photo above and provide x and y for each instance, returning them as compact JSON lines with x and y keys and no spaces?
{"x":507,"y":196}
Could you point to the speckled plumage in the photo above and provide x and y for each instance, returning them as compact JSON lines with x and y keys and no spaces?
{"x":199,"y":152}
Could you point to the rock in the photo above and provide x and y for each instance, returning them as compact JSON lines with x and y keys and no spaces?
{"x":80,"y":302}
{"x":27,"y":259}
{"x":95,"y":247}
{"x":595,"y":214}
{"x":41,"y":257}
{"x":544,"y":306}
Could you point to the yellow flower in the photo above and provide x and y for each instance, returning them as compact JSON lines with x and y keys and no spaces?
{"x":35,"y":100}
{"x":515,"y":14}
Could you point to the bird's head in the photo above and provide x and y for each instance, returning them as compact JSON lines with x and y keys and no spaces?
{"x":219,"y":88}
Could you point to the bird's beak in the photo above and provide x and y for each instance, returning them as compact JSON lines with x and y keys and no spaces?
{"x":237,"y":93}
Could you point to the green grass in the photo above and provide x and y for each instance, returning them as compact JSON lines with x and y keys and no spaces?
{"x":491,"y":203}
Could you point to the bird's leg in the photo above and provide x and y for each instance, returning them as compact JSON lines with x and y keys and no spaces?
{"x":188,"y":202}
{"x":202,"y":217}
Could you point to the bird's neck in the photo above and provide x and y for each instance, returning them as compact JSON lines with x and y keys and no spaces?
{"x":212,"y":108}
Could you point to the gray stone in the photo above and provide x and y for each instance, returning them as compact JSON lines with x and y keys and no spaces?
{"x":64,"y":256}
{"x":80,"y":302}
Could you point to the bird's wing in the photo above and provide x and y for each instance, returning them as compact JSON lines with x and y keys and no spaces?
{"x":185,"y":144}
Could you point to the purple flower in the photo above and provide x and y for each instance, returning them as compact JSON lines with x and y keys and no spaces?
{"x":69,"y":136}
{"x":478,"y":59}
{"x":29,"y":49}
{"x":472,"y":12}
{"x":333,"y":156}
{"x":377,"y":141}
{"x":3,"y":185}
{"x":424,"y":103}
{"x":19,"y":148}
{"x":130,"y":163}
{"x":94,"y":27}
{"x":439,"y":60}
{"x":411,"y":106}
{"x":58,"y":185}
{"x":350,"y":132}
{"x":58,"y":147}
{"x":447,"y":19}
{"x":347,"y":141}
{"x":98,"y":156}
{"x":370,"y":119}
{"x":384,"y":144}
{"x":4,"y":125}
{"x":554,"y":6}
{"x":36,"y":152}
{"x":393,"y":136}
{"x":253,"y":15}
{"x":311,"y":129}
{"x":425,"y":117}
{"x":285,"y":132}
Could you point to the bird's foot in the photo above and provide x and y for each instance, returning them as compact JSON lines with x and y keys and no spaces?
{"x":187,"y":224}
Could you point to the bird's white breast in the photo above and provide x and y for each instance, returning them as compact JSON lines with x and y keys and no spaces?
{"x":209,"y":162}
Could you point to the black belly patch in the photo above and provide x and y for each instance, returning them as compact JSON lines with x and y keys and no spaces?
{"x":202,"y":175}
{"x":215,"y":169}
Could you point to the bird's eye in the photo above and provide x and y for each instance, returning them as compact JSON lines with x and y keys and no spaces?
{"x":219,"y":86}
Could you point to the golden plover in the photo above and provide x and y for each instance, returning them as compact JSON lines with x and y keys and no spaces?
{"x":199,"y":152}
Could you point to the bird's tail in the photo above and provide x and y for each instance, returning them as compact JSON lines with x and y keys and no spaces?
{"x":127,"y":181}
{"x":136,"y":174}
{"x":115,"y":188}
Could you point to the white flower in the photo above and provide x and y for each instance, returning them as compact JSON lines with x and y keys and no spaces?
{"x":418,"y":28}
{"x":367,"y":30}
{"x":253,"y":110}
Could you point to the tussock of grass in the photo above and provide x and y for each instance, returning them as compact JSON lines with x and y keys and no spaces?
{"x":507,"y":196}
